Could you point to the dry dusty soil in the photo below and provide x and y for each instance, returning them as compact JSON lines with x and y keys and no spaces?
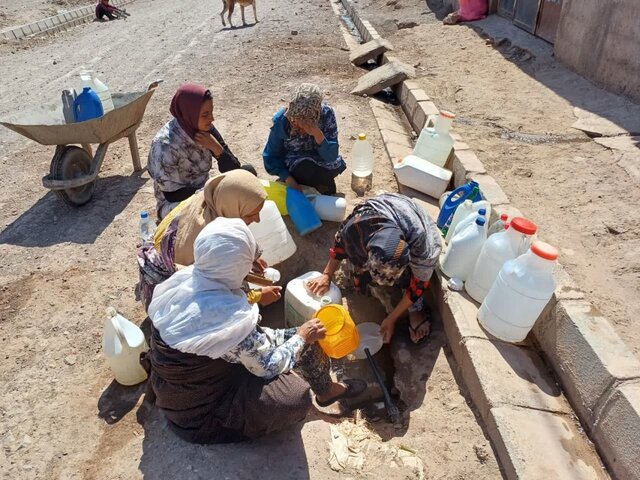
{"x":61,"y":415}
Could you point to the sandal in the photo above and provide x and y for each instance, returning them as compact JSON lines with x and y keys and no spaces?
{"x":354,"y":388}
{"x":415,"y":331}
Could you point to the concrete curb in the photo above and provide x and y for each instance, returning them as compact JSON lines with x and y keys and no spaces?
{"x":58,"y":23}
{"x":598,"y":373}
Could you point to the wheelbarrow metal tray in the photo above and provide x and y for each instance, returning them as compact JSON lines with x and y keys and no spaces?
{"x":46,"y":125}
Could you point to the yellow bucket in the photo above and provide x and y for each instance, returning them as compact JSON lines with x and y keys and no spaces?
{"x":342,"y":335}
{"x":277,"y":192}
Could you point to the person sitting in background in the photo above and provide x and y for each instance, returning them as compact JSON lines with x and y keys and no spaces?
{"x":303,"y":143}
{"x":182,"y":151}
{"x":235,"y":194}
{"x":105,"y":9}
{"x":393,"y":245}
{"x":219,"y":376}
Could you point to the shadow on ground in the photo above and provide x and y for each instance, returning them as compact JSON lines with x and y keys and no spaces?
{"x":50,"y":221}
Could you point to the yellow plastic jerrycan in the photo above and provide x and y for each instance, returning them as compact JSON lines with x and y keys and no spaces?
{"x":342,"y":335}
{"x":277,"y":192}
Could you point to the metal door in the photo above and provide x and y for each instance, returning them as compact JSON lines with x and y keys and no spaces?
{"x":549,"y":19}
{"x":526,"y":14}
{"x":506,"y":8}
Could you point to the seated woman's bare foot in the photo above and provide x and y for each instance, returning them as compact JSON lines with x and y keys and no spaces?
{"x":419,"y":326}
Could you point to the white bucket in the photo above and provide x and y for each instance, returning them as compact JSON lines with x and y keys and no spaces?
{"x":122,"y":344}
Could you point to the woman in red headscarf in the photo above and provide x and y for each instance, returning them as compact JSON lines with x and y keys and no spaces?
{"x":182,"y":151}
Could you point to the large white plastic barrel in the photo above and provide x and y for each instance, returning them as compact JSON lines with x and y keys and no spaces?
{"x":421,"y":175}
{"x":300,"y":304}
{"x":497,"y":250}
{"x":518,"y":296}
{"x":272,"y":235}
{"x":463,"y":251}
{"x":122,"y":344}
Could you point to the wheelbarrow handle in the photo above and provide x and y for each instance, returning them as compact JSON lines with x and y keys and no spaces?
{"x":154,"y":84}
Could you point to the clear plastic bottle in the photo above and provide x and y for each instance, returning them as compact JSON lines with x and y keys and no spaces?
{"x":361,"y":165}
{"x":147,"y":228}
{"x":89,"y":79}
{"x":499,"y":225}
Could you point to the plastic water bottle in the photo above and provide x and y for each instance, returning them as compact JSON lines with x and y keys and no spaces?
{"x":87,"y":106}
{"x":89,"y":80}
{"x":147,"y":228}
{"x":435,"y":144}
{"x":463,"y":251}
{"x":362,"y":165}
{"x":499,"y":225}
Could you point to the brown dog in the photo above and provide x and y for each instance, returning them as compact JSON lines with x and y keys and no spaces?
{"x":229,"y":5}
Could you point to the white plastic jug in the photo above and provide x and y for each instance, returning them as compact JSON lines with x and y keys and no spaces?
{"x":122,"y":344}
{"x":328,"y":208}
{"x":462,"y":212}
{"x":463,"y":251}
{"x":272,"y":235}
{"x":518,"y":296}
{"x":89,"y":79}
{"x":435,"y":144}
{"x":416,"y":173}
{"x":483,"y":208}
{"x":300,"y":304}
{"x":497,"y":250}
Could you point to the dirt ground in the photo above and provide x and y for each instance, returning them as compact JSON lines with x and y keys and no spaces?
{"x":61,"y":415}
{"x":19,"y":12}
{"x":516,"y":112}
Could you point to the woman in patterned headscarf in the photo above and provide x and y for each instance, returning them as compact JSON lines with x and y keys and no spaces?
{"x":390,"y":242}
{"x":303,"y":143}
{"x":182,"y":152}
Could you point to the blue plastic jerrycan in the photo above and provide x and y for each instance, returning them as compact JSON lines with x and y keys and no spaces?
{"x":469,"y":191}
{"x":302,"y":213}
{"x":87,"y":106}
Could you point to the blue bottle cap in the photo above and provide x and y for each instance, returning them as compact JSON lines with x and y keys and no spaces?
{"x":144,"y":214}
{"x":482,"y":211}
{"x":481,"y":221}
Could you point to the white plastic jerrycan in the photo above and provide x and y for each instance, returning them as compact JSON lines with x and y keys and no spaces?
{"x":463,"y":251}
{"x":481,"y":208}
{"x":89,"y":79}
{"x":497,"y":250}
{"x":419,"y":174}
{"x":328,"y":208}
{"x":122,"y":344}
{"x":435,"y":144}
{"x":518,"y":296}
{"x":301,"y":305}
{"x":272,"y":235}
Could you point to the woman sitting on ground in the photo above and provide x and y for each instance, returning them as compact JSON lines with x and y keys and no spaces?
{"x":217,"y":375}
{"x":390,"y":242}
{"x":235,"y":194}
{"x":303,"y":143}
{"x":182,"y":151}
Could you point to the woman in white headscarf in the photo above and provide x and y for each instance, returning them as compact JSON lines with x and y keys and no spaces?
{"x":217,"y":375}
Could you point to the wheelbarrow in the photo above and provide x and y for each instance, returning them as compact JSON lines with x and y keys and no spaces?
{"x":74,"y":170}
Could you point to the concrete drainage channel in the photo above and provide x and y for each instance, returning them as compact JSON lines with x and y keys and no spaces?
{"x":539,"y":430}
{"x":57,"y":23}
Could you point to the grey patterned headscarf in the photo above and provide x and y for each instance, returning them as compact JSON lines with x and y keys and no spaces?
{"x":306,"y":103}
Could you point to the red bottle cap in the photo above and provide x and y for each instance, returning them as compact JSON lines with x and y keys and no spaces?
{"x":544,"y":250}
{"x":504,"y":217}
{"x":447,"y":114}
{"x":523,"y":225}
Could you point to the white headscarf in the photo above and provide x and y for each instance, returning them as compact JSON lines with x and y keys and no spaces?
{"x":201,"y":308}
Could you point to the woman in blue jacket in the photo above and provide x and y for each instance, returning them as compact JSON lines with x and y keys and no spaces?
{"x":303,"y":143}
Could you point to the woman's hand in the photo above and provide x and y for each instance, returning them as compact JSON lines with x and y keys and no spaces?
{"x":320,"y":285}
{"x":270,"y":295}
{"x":259,"y":266}
{"x":311,"y":128}
{"x":208,"y":141}
{"x":293,"y":183}
{"x":387,"y":328}
{"x":312,"y":331}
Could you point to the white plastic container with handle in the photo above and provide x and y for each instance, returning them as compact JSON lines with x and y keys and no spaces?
{"x":89,"y":79}
{"x":122,"y":344}
{"x":518,"y":296}
{"x":301,"y":305}
{"x":272,"y":235}
{"x":416,"y":173}
{"x":329,"y":208}
{"x":435,"y":144}
{"x":463,"y":251}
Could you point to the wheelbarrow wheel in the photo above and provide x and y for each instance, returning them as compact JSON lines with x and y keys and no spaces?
{"x":73,"y":162}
